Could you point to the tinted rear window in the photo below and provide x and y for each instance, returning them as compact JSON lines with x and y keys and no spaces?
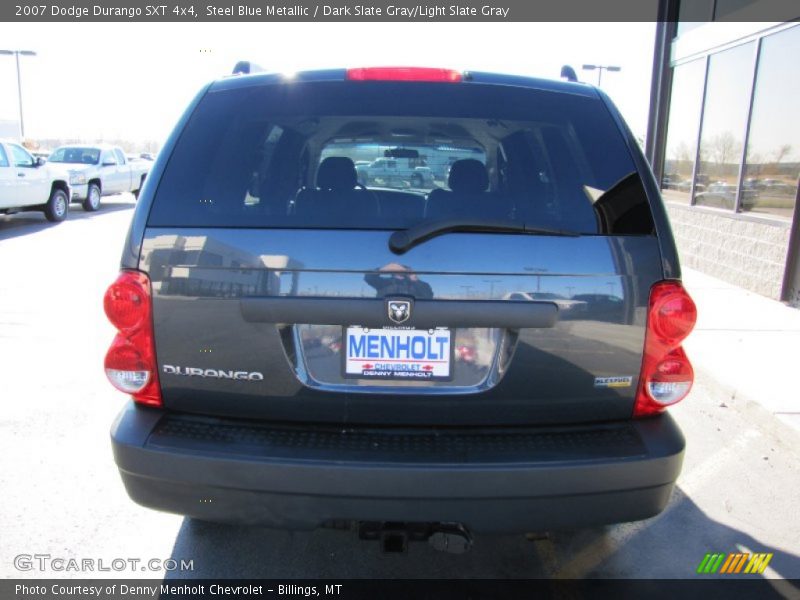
{"x":381,"y":155}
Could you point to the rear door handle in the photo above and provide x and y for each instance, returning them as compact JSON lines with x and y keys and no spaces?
{"x":20,"y":174}
{"x":425,"y":314}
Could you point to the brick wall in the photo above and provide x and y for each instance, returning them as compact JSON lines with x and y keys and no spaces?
{"x":748,"y":252}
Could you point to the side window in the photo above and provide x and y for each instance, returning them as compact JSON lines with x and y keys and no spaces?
{"x":21,"y":156}
{"x":120,"y":156}
{"x":107,"y":157}
{"x":3,"y":157}
{"x":87,"y":156}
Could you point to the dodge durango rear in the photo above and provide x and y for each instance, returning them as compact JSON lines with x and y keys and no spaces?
{"x":424,"y":299}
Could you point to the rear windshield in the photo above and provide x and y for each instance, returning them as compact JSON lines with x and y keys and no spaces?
{"x":382,"y":155}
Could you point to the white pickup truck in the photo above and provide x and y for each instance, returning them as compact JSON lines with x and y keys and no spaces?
{"x":27,"y":183}
{"x":395,"y":172}
{"x":98,"y":170}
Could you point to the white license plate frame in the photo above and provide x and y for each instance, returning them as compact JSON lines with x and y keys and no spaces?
{"x":368,"y":358}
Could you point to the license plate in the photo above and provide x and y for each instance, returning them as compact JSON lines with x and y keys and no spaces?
{"x":424,"y":354}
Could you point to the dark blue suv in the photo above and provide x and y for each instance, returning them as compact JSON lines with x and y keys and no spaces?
{"x":303,"y":349}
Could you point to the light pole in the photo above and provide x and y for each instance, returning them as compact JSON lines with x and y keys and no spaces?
{"x":17,"y":54}
{"x":491,"y":283}
{"x":600,"y":69}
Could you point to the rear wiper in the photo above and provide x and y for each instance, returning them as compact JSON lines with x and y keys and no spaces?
{"x":403,"y":240}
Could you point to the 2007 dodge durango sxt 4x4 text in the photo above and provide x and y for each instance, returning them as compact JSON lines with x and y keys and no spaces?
{"x":303,"y":350}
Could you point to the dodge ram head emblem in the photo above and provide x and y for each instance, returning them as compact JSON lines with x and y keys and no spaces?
{"x":399,"y":310}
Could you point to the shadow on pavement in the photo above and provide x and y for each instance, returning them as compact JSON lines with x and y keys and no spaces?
{"x":671,"y":545}
{"x":28,"y":222}
{"x":225,"y":551}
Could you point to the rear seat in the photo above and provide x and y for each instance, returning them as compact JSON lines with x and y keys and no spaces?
{"x":336,"y":192}
{"x":400,"y":206}
{"x":467,"y":196}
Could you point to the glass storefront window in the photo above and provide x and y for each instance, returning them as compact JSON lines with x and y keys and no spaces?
{"x":727,"y":102}
{"x":773,"y":148}
{"x":682,"y":129}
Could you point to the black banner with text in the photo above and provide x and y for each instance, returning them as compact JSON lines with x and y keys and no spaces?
{"x":349,"y":589}
{"x":372,"y":10}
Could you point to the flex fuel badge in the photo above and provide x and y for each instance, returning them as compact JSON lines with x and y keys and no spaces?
{"x":612,"y":382}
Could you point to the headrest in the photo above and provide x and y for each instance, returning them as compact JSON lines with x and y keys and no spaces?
{"x":468,"y":176}
{"x":337,"y":173}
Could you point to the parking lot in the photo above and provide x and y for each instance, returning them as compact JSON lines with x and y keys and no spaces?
{"x":62,"y":496}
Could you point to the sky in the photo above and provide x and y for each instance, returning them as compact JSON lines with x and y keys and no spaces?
{"x":132,"y":81}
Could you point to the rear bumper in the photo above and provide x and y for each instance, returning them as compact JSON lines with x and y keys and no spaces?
{"x":491,"y":481}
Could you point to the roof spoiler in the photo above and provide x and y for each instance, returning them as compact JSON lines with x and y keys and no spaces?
{"x":245,"y":67}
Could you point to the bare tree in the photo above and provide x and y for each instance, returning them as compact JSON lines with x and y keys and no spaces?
{"x":724,"y":149}
{"x":681,"y":152}
{"x":782,"y":152}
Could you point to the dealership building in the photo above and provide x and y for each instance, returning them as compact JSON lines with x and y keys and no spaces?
{"x":724,"y":141}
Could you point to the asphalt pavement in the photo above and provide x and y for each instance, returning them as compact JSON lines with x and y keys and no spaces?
{"x":62,"y":495}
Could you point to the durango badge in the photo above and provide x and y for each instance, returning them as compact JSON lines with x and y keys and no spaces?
{"x":399,"y":310}
{"x":213,"y":373}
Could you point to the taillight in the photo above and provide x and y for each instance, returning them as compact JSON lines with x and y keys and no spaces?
{"x":403,"y":74}
{"x":131,"y":361}
{"x":667,"y":374}
{"x":127,"y":301}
